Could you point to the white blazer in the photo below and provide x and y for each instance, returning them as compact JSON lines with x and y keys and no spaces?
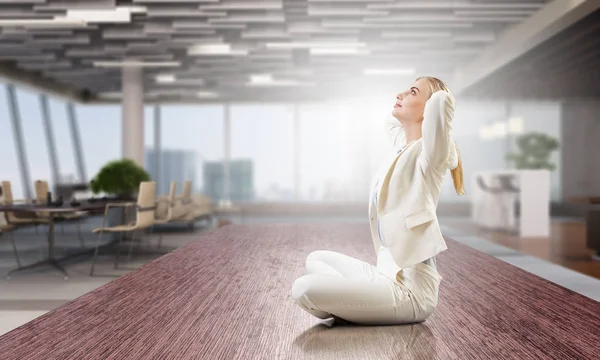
{"x":411,"y":184}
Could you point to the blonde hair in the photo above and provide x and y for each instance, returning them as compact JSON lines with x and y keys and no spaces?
{"x":436,"y":84}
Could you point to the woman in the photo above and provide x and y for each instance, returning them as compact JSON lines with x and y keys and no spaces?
{"x":403,"y":286}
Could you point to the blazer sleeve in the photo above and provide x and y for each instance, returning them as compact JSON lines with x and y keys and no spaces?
{"x":436,"y":128}
{"x":395,"y":132}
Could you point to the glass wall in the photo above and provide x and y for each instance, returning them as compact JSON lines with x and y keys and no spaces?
{"x":9,"y":168}
{"x":28,"y":104}
{"x":191,"y":139}
{"x":101,"y":132}
{"x":330,"y":152}
{"x":65,"y":151}
{"x":486,"y":132}
{"x":338,"y":148}
{"x":100,"y":128}
{"x":263,"y":136}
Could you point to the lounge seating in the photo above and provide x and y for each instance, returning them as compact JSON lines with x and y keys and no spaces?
{"x":41,"y":189}
{"x":195,"y":207}
{"x":11,"y":217}
{"x":146,"y":208}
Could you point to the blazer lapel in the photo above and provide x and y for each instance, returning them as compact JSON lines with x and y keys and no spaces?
{"x":382,"y":198}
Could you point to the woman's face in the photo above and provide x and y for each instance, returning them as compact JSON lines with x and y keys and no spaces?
{"x":410,"y":104}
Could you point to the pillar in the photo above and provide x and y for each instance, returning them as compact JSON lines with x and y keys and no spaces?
{"x":133,"y":114}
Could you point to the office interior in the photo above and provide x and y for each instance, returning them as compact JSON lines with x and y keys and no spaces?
{"x":248,"y":114}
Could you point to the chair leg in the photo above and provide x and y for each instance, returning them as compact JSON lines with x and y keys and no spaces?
{"x":80,"y":236}
{"x":14,"y":246}
{"x":160,"y":240}
{"x":133,"y":241}
{"x":118,"y":251}
{"x":96,"y":253}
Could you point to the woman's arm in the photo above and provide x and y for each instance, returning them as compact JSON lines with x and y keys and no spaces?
{"x":395,"y":132}
{"x":437,"y":124}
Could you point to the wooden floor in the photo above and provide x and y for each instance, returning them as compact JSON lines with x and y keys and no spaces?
{"x":228,"y":296}
{"x":565,"y":246}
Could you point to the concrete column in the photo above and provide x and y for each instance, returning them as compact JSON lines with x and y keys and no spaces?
{"x":133,"y":114}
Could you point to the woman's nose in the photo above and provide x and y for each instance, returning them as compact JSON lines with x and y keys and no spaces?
{"x":399,"y":96}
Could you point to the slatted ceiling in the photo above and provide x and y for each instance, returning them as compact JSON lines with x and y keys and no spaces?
{"x":395,"y":33}
{"x":563,"y":67}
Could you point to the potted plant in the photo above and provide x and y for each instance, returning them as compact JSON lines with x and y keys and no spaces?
{"x":120,"y":178}
{"x":534,"y":152}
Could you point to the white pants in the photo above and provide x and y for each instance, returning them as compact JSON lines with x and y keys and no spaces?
{"x":353,"y":290}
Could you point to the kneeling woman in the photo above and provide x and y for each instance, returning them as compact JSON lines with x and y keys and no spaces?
{"x":403,"y":286}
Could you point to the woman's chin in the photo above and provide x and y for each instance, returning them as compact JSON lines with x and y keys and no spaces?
{"x":396,"y":113}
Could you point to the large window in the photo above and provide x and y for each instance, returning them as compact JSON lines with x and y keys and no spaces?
{"x":101,"y":134}
{"x":328,"y":156}
{"x":33,"y":132}
{"x":263,"y":136}
{"x":64,"y":140}
{"x":191,"y":139}
{"x":543,"y":117}
{"x":100,"y":127}
{"x":9,"y":166}
{"x":484,"y":137}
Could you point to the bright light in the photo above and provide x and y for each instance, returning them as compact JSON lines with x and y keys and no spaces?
{"x":261,"y":78}
{"x":207,"y":94}
{"x":214,"y":49}
{"x":500,"y":129}
{"x":389,"y":71}
{"x":337,"y":51}
{"x":165,"y":78}
{"x":117,"y":15}
{"x":494,"y":131}
{"x":515,"y":125}
{"x":58,"y":21}
{"x":312,"y":45}
{"x":268,"y":80}
{"x":135,"y":63}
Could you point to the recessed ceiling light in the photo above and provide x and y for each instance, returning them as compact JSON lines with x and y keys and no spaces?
{"x":338,"y":51}
{"x":313,"y":45}
{"x":207,"y":94}
{"x":59,"y":21}
{"x":214,"y":49}
{"x":261,"y":78}
{"x":389,"y":71}
{"x":135,"y":63}
{"x":165,"y":78}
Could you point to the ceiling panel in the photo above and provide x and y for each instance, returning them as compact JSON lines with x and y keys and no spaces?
{"x":312,"y":49}
{"x":565,"y":66}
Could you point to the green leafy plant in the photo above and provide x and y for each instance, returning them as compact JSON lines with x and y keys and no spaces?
{"x":534,"y":151}
{"x":120,"y":177}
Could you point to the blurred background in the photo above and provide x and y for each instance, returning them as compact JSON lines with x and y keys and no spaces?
{"x":274,"y":111}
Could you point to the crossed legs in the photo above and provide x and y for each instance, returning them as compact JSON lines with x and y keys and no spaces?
{"x":340,"y":286}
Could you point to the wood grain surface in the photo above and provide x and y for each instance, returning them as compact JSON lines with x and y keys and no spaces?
{"x":227,"y":296}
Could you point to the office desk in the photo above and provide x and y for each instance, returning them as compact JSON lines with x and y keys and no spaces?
{"x":227,"y":296}
{"x":50,"y":215}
